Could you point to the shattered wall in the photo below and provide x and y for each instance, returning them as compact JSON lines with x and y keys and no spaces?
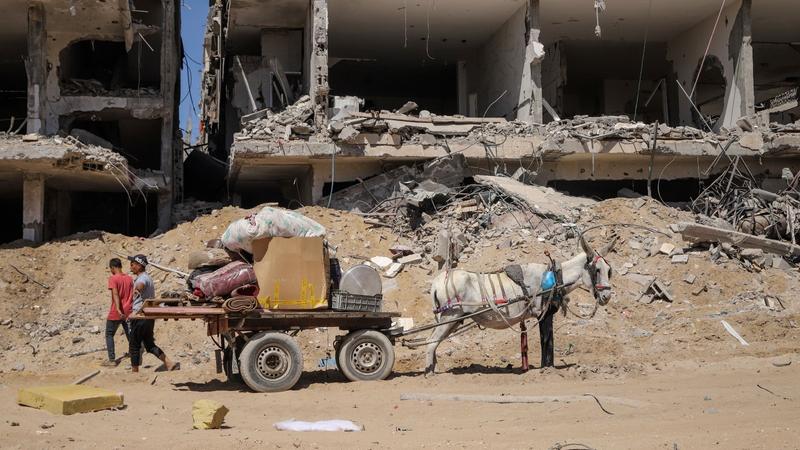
{"x":501,"y":63}
{"x":727,"y":45}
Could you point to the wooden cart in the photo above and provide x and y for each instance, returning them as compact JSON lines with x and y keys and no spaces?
{"x":260,"y":346}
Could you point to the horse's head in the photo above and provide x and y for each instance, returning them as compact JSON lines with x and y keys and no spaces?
{"x":597,"y":272}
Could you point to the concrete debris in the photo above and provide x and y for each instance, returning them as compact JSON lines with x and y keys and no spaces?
{"x":208,"y":414}
{"x":680,"y":259}
{"x":294,"y":122}
{"x":703,"y":233}
{"x":544,"y":201}
{"x":666,"y":248}
{"x":735,"y":199}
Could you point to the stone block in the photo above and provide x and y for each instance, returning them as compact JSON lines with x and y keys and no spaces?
{"x":69,"y":399}
{"x":208,"y":414}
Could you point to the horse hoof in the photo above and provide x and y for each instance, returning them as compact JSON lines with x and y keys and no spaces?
{"x":428,"y":374}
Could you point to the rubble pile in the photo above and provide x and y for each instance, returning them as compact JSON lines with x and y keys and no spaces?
{"x":95,"y":88}
{"x":294,"y":122}
{"x":733,"y":201}
{"x":350,"y":127}
{"x":618,"y":127}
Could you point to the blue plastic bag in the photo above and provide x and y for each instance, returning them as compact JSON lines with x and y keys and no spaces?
{"x":548,"y":280}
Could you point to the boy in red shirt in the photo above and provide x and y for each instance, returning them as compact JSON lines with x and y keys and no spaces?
{"x":121,"y":287}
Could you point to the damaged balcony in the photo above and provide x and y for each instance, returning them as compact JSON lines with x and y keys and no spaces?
{"x":572,"y":91}
{"x":59,"y":186}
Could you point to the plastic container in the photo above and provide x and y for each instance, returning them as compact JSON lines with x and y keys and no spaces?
{"x":345,"y":301}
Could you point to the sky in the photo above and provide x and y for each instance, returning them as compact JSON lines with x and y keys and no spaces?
{"x":193,"y":24}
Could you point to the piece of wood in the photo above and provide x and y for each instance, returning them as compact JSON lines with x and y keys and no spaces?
{"x":86,"y":377}
{"x":704,"y":233}
{"x":506,"y":399}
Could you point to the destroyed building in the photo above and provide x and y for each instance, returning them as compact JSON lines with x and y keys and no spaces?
{"x":88,"y":116}
{"x":305,"y":98}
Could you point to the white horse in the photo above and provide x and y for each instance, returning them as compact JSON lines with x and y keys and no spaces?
{"x":457,"y":293}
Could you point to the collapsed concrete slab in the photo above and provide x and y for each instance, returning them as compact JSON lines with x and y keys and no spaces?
{"x":543,"y":200}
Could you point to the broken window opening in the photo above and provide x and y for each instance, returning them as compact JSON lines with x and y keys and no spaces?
{"x":709,"y":94}
{"x":104,"y":68}
{"x":138,"y":140}
{"x":112,"y":212}
{"x":602,"y":78}
{"x":14,"y":90}
{"x":431,"y":85}
{"x":470,"y":62}
{"x":672,"y":191}
{"x":776,"y":71}
{"x":11,"y":205}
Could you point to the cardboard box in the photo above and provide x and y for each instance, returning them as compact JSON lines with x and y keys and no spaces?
{"x":292,"y":273}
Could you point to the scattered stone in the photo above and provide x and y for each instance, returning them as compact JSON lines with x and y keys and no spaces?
{"x":781,"y":361}
{"x":410,"y":259}
{"x":393,"y":270}
{"x":751,"y":254}
{"x":381,"y":261}
{"x":680,"y":259}
{"x":639,"y":332}
{"x":666,"y":248}
{"x":208,"y":414}
{"x":94,"y":330}
{"x":690,"y":278}
{"x":77,"y":340}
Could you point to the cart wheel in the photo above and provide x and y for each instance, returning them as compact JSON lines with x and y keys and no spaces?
{"x":271,"y":362}
{"x":365,"y":355}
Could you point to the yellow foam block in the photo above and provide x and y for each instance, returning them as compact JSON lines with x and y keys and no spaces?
{"x":69,"y":399}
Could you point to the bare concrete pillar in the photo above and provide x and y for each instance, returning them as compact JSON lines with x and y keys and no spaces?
{"x":33,"y":186}
{"x":171,"y":162}
{"x":530,"y":108}
{"x":740,"y":99}
{"x":318,"y":64}
{"x":37,"y":66}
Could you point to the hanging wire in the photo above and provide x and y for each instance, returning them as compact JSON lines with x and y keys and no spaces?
{"x":641,"y":66}
{"x":708,"y":47}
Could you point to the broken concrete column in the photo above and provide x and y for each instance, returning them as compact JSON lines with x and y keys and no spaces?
{"x":318,"y":60}
{"x":740,"y":94}
{"x":36,"y":67}
{"x":171,"y":151}
{"x":33,"y":187}
{"x":530,"y":108}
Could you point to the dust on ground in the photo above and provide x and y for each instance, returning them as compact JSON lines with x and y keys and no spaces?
{"x":670,"y":355}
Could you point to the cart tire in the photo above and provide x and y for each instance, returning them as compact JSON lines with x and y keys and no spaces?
{"x":271,"y":362}
{"x":365,"y":355}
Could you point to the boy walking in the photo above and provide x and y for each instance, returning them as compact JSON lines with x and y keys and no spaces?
{"x":142,"y":330}
{"x":121,"y":287}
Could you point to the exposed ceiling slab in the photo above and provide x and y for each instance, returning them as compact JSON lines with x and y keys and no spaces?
{"x":414,"y":30}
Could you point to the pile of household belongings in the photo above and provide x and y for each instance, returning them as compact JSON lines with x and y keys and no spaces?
{"x":223,"y":274}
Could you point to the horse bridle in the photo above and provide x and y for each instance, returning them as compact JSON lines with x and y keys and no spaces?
{"x":592,"y":268}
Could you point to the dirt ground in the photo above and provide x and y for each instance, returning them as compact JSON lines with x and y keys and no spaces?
{"x":688,"y":405}
{"x":694,"y":385}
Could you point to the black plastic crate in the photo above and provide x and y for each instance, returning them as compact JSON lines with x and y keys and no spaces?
{"x":345,"y":301}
